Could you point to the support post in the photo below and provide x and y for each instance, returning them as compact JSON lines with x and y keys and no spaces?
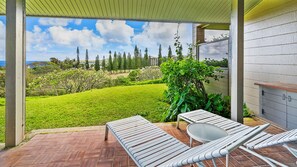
{"x":237,"y":60}
{"x":200,"y":38}
{"x":15,"y":72}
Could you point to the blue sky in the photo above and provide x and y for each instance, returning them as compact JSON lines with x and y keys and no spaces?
{"x":56,"y":37}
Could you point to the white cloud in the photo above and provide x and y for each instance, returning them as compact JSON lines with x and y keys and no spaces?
{"x":115,"y":31}
{"x":2,"y":40}
{"x":58,"y":21}
{"x":156,"y":33}
{"x":37,"y":40}
{"x":68,"y":37}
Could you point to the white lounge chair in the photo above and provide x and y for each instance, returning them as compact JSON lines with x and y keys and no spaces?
{"x":148,"y":145}
{"x":260,"y":141}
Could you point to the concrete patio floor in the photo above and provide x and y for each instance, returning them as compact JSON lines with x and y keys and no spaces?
{"x":86,"y":147}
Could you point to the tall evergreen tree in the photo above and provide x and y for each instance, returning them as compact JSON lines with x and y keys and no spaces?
{"x":136,"y":55}
{"x":115,"y":62}
{"x":146,"y":57}
{"x":160,"y":55}
{"x":120,"y":61}
{"x":77,"y":57}
{"x":110,"y":65}
{"x":87,"y":60}
{"x":140,"y":59}
{"x":103,"y":64}
{"x":129,"y":61}
{"x":169,"y":52}
{"x":125,"y":62}
{"x":97,"y":63}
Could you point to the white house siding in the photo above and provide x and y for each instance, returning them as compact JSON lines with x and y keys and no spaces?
{"x":270,"y":49}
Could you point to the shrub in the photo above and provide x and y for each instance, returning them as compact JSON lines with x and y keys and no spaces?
{"x":68,"y":81}
{"x":121,"y":81}
{"x":185,"y":80}
{"x":150,"y":73}
{"x":219,"y":105}
{"x":134,"y":75}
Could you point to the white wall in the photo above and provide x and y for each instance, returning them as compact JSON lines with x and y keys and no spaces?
{"x":270,"y":48}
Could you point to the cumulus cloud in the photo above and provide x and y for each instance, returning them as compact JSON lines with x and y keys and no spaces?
{"x":73,"y":37}
{"x":115,"y":31}
{"x":2,"y":40}
{"x":156,"y":33}
{"x":37,"y":40}
{"x":58,"y":21}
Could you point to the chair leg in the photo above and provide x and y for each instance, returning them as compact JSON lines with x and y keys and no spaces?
{"x":214,"y":163}
{"x":106,"y":133}
{"x":227,"y":160}
{"x":177,"y":122}
{"x":269,"y":161}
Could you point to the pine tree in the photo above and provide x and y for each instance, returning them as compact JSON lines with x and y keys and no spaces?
{"x":160,"y":55}
{"x":97,"y":63}
{"x":87,"y":60}
{"x":110,"y":65}
{"x":77,"y":57}
{"x":136,"y":54}
{"x":120,"y":61}
{"x":103,"y":64}
{"x":115,"y":62}
{"x":146,"y":57}
{"x":169,"y":52}
{"x":125,"y":62}
{"x":140,"y":59}
{"x":129,"y":61}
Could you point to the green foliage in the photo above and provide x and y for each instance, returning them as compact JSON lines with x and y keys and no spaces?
{"x":87,"y":60}
{"x":246,"y":111}
{"x":146,"y":58}
{"x":185,"y":79}
{"x":160,"y":56}
{"x":49,"y":67}
{"x":103,"y":64}
{"x":77,"y":58}
{"x":130,"y":61}
{"x":91,"y":108}
{"x":97,"y":63}
{"x":149,"y":73}
{"x":219,"y":105}
{"x":125,"y":65}
{"x":110,"y":64}
{"x":120,"y":61}
{"x":134,"y":74}
{"x":69,"y":81}
{"x":217,"y":63}
{"x":115,"y":62}
{"x":179,"y":47}
{"x":169,"y":52}
{"x":121,"y":80}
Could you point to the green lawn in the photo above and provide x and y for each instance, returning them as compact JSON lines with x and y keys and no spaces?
{"x":95,"y":107}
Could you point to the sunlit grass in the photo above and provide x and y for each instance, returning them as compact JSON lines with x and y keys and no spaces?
{"x":95,"y":107}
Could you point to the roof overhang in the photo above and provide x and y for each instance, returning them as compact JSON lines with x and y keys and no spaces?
{"x":192,"y":11}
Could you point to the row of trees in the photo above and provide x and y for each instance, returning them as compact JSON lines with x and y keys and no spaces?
{"x":115,"y":61}
{"x":118,"y":61}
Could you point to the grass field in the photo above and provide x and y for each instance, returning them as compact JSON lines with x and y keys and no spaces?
{"x":95,"y":107}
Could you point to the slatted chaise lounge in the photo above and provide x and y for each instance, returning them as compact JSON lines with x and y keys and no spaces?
{"x":148,"y":145}
{"x":260,"y":141}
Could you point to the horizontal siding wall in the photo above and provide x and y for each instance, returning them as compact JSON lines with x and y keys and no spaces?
{"x":270,"y":49}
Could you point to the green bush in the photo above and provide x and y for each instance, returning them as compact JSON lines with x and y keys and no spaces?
{"x":67,"y":81}
{"x":150,"y":73}
{"x":219,"y":105}
{"x":2,"y":83}
{"x":134,"y":75}
{"x":185,"y":80}
{"x":121,"y":81}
